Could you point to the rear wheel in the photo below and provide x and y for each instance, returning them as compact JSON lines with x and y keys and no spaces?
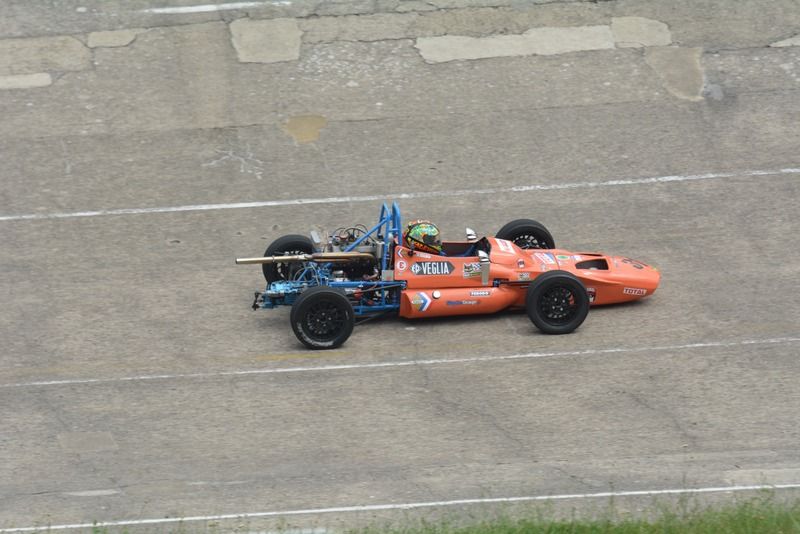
{"x":322,"y":318}
{"x":288,"y":245}
{"x":527,"y":234}
{"x":557,"y":302}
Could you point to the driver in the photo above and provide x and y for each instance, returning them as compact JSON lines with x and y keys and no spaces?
{"x":423,"y":236}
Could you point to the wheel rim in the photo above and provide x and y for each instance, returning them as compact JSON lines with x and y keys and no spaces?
{"x":324,"y":321}
{"x":558,"y":305}
{"x":285,"y":270}
{"x":528,"y":241}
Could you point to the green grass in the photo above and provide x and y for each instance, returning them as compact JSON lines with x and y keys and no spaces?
{"x":765,"y":514}
{"x":756,"y":516}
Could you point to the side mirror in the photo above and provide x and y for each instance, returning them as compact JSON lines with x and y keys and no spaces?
{"x":486,"y":265}
{"x":471,"y":235}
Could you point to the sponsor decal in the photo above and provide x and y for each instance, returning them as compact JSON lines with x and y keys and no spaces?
{"x":401,"y":265}
{"x":426,"y":268}
{"x":521,"y":263}
{"x":546,"y":257}
{"x":422,"y":255}
{"x":634,"y":263}
{"x":543,"y":267}
{"x":505,"y":245}
{"x":524,"y":276}
{"x":462,"y":302}
{"x":592,"y":292}
{"x":421,"y":302}
{"x":399,"y":252}
{"x":472,"y":269}
{"x":563,"y":257}
{"x":639,"y":292}
{"x":481,"y":293}
{"x":577,"y":257}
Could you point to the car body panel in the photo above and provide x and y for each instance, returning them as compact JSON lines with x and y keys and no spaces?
{"x":451,"y":285}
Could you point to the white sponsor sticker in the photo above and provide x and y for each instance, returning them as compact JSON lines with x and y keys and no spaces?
{"x":639,"y":292}
{"x":401,"y":265}
{"x":421,"y":301}
{"x":505,"y":245}
{"x":546,"y":257}
{"x":472,"y":269}
{"x":481,"y":293}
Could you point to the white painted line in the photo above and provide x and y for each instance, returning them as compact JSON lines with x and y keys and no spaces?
{"x":211,"y":8}
{"x":93,"y":493}
{"x":404,"y":363}
{"x":402,"y":196}
{"x":406,"y":506}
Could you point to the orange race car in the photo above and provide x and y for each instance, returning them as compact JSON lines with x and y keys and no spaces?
{"x":354,"y":274}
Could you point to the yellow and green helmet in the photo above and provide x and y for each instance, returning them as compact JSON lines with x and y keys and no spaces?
{"x":424,"y":236}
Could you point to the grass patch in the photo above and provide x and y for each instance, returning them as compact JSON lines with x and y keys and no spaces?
{"x":761,"y":515}
{"x":764,"y":514}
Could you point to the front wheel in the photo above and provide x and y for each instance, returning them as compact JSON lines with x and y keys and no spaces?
{"x":557,"y":302}
{"x":322,"y":318}
{"x":527,"y":234}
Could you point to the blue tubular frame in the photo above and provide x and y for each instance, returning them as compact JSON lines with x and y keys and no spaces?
{"x":285,"y":292}
{"x":389,"y":222}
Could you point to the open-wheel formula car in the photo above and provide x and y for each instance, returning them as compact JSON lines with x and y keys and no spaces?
{"x":336,"y":281}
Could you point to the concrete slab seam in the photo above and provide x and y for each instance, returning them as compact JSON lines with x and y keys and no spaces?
{"x":404,"y":363}
{"x":403,"y":196}
{"x":408,"y":506}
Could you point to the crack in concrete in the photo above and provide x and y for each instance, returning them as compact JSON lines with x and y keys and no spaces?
{"x":114,"y":38}
{"x":248,"y":163}
{"x":65,"y":153}
{"x":669,"y":415}
{"x":488,"y":418}
{"x":580,"y":480}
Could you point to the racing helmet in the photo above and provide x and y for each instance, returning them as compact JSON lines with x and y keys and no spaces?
{"x":424,"y":236}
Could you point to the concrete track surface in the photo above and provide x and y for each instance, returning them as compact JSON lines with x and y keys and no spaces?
{"x":136,"y":385}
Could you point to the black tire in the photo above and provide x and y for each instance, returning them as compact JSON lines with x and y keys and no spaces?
{"x":557,"y":302}
{"x":284,"y":246}
{"x":322,"y":318}
{"x":527,"y":234}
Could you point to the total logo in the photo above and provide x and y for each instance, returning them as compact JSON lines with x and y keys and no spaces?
{"x":634,"y":291}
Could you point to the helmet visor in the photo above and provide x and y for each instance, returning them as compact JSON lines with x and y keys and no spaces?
{"x":432,"y":240}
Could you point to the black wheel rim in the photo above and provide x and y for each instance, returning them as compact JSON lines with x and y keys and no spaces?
{"x":558,"y":305}
{"x":528,"y":241}
{"x":286,"y":271}
{"x":324,"y":321}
